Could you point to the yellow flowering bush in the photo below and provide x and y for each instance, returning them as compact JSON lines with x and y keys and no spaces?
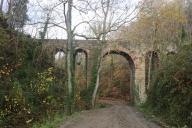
{"x":22,"y":105}
{"x":14,"y":109}
{"x":30,"y":89}
{"x":47,"y":93}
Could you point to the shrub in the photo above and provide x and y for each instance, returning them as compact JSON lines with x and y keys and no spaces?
{"x":30,"y":88}
{"x":171,"y":94}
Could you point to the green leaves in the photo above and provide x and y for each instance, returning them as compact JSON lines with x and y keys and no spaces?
{"x":171,"y":95}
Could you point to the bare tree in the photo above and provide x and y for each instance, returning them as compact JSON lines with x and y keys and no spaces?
{"x":17,"y":13}
{"x":10,"y":7}
{"x":70,"y":76}
{"x":110,"y":15}
{"x":189,"y":17}
{"x":100,"y":16}
{"x":1,"y":6}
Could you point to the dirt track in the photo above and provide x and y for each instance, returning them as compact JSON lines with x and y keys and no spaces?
{"x":117,"y":116}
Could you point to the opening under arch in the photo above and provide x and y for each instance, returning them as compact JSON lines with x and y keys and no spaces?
{"x":59,"y":57}
{"x":131,"y":69}
{"x":80,"y":65}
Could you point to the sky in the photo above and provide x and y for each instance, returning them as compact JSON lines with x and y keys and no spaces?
{"x":37,"y":11}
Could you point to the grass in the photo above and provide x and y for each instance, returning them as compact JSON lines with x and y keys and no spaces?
{"x":156,"y":119}
{"x":59,"y":119}
{"x":55,"y":122}
{"x":149,"y":115}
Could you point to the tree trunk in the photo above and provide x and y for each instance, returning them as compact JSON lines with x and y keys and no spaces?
{"x":98,"y":75}
{"x":97,"y":83}
{"x":111,"y":71}
{"x":110,"y":80}
{"x":10,"y":6}
{"x":105,"y":21}
{"x":69,"y":57}
{"x":149,"y":70}
{"x":1,"y":6}
{"x":100,"y":58}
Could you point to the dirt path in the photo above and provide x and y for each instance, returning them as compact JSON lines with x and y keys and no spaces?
{"x":117,"y":116}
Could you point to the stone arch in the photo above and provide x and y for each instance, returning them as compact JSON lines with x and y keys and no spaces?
{"x":59,"y":54}
{"x":85,"y":52}
{"x":56,"y":50}
{"x":127,"y":56}
{"x":151,"y":66}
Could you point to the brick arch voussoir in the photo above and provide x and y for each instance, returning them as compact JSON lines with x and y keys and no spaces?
{"x":129,"y":52}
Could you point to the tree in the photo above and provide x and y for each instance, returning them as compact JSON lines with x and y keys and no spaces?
{"x":100,"y":16}
{"x":189,"y":17}
{"x":110,"y":15}
{"x":10,"y":7}
{"x":43,"y":33}
{"x":17,"y":13}
{"x":159,"y":26}
{"x":70,"y":72}
{"x":1,"y":6}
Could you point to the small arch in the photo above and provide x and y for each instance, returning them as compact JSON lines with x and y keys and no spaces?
{"x":132,"y":69}
{"x":59,"y":58}
{"x":59,"y":50}
{"x":80,"y":50}
{"x":77,"y":51}
{"x":151,"y":66}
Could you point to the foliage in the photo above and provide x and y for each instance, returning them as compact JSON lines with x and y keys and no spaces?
{"x":55,"y":121}
{"x":84,"y":97}
{"x":170,"y":97}
{"x":14,"y":109}
{"x":18,"y":16}
{"x":115,"y":78}
{"x":30,"y":88}
{"x":25,"y":99}
{"x":47,"y":96}
{"x":51,"y":123}
{"x":159,"y":23}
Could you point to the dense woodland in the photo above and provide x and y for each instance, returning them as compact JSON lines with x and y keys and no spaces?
{"x":36,"y":87}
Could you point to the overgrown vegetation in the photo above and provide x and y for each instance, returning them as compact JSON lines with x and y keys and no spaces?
{"x":86,"y":94}
{"x":170,"y":97}
{"x":32,"y":90}
{"x":51,"y":123}
{"x":30,"y":87}
{"x":164,"y":27}
{"x":115,"y":78}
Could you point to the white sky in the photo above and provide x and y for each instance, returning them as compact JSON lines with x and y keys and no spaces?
{"x":59,"y":55}
{"x":36,"y":15}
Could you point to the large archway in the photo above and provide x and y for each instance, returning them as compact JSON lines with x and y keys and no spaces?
{"x":130,"y":69}
{"x":80,"y":65}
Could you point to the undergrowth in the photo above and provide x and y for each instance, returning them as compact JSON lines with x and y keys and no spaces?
{"x":51,"y":123}
{"x":170,"y":96}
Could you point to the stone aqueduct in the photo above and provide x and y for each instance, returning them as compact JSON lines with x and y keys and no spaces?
{"x":135,"y":55}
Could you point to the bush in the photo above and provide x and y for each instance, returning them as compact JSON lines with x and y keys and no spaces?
{"x":30,"y":88}
{"x":170,"y":97}
{"x":15,"y":112}
{"x":21,"y":105}
{"x":47,"y":94}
